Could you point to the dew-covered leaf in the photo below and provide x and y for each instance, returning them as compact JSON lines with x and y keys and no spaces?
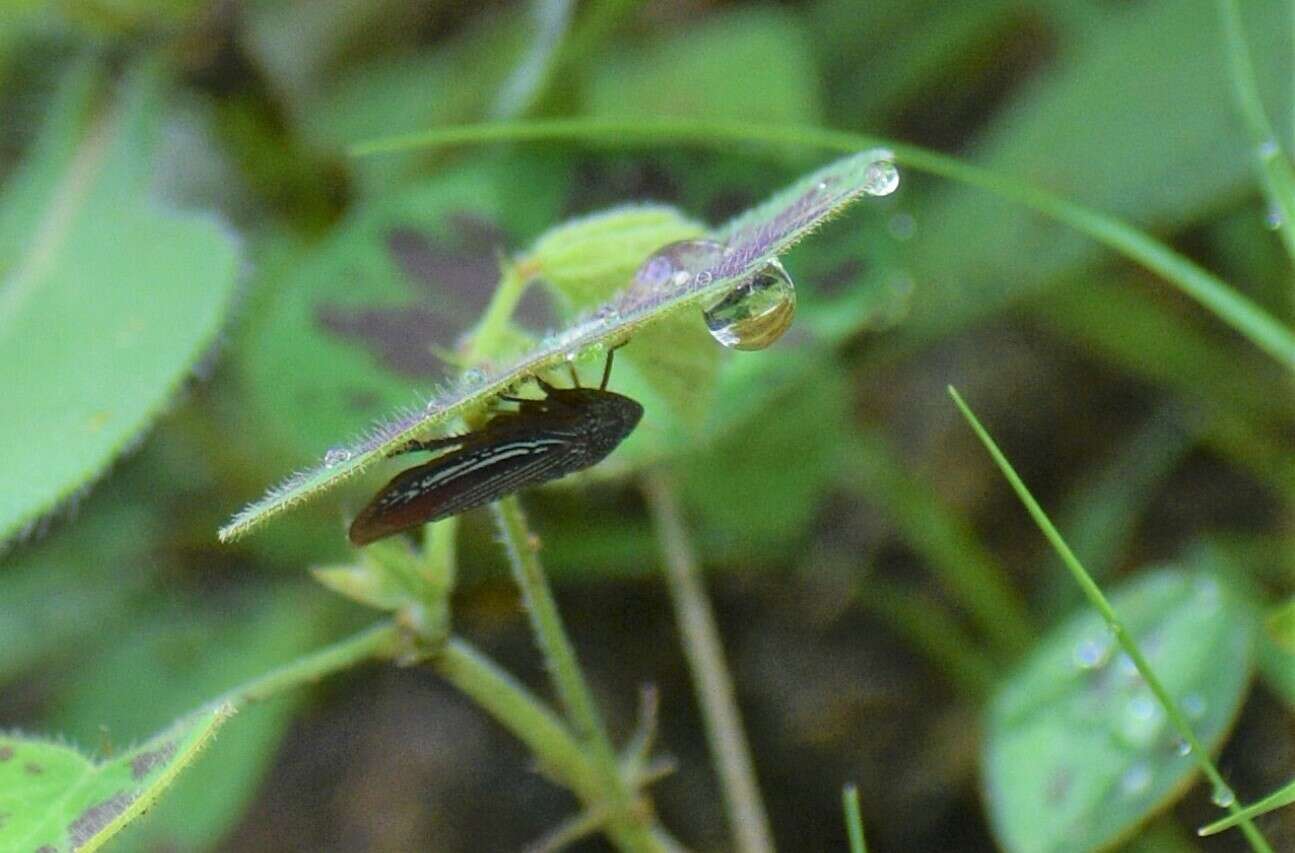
{"x":750,"y":241}
{"x":57,"y":800}
{"x":1078,"y":752}
{"x":108,"y":297}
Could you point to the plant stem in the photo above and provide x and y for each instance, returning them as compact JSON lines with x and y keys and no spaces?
{"x":488,"y":333}
{"x":381,"y":641}
{"x":1254,"y":323}
{"x":1279,"y":177}
{"x":1112,"y":619}
{"x":853,"y":820}
{"x":710,"y":675}
{"x":560,"y":658}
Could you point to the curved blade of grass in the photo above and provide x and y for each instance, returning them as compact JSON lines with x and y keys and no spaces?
{"x":1274,"y":166}
{"x":1112,"y":619}
{"x":853,"y":820}
{"x":1283,"y":796}
{"x":752,"y":239}
{"x":1251,"y":321}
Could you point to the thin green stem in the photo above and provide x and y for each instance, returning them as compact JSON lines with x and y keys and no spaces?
{"x":560,"y":658}
{"x":853,"y":819}
{"x":1251,"y":321}
{"x":381,"y":641}
{"x":710,"y":674}
{"x":490,"y":331}
{"x":1112,"y":619}
{"x":523,"y":713}
{"x":1274,"y":166}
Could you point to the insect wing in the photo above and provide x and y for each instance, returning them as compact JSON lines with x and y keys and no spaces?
{"x":462,"y":480}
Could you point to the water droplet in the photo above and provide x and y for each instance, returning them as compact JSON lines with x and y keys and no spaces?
{"x":1193,"y":705}
{"x":336,"y":456}
{"x":472,"y":377}
{"x":1268,"y":149}
{"x":1127,"y":669}
{"x":1182,"y":747}
{"x":902,"y":226}
{"x":1136,"y":779}
{"x":1222,"y":796}
{"x":880,"y":178}
{"x":1273,"y":218}
{"x":1093,"y":652}
{"x":675,"y":264}
{"x":1141,"y":720}
{"x":1206,"y":592}
{"x":756,"y":313}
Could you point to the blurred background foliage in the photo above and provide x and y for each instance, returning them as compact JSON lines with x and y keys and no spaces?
{"x":202,"y":292}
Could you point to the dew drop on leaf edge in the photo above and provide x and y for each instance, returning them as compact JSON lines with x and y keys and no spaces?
{"x":880,"y":178}
{"x":755,"y":313}
{"x":336,"y":456}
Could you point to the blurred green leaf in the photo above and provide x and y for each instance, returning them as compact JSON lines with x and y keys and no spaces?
{"x":1092,"y":128}
{"x":1077,"y":751}
{"x":753,"y":64}
{"x":180,"y":657}
{"x":76,"y":586}
{"x":402,"y":92}
{"x":53,"y":798}
{"x":109,"y":298}
{"x":355,"y":327}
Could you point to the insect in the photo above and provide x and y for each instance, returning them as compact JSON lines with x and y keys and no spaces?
{"x":571,"y":429}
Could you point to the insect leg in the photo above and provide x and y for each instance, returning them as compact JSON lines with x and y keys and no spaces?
{"x":607,"y":368}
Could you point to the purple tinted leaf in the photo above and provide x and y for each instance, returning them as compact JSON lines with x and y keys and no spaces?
{"x":749,"y":242}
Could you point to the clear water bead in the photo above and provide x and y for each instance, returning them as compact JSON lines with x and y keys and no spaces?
{"x":336,"y":456}
{"x":1222,"y":796}
{"x":880,"y":178}
{"x":1094,"y":652}
{"x":1136,"y":779}
{"x":674,"y":264}
{"x":755,"y":313}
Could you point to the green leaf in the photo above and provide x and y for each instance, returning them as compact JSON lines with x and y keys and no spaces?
{"x":1077,"y":750}
{"x":76,"y":586}
{"x":747,"y":64}
{"x":108,"y":297}
{"x":358,"y":325}
{"x":404,"y":92}
{"x":1092,"y":129}
{"x":750,"y":240}
{"x":586,"y":261}
{"x":53,"y":798}
{"x":179,"y":657}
